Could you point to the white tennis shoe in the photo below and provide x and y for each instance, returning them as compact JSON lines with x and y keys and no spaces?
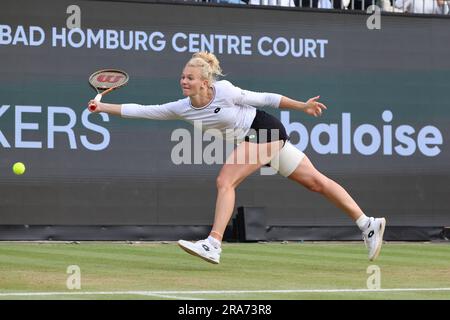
{"x":202,"y":249}
{"x":373,"y":236}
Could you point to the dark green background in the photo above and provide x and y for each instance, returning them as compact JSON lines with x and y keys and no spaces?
{"x":404,"y":67}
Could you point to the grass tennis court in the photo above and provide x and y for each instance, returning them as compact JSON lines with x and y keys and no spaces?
{"x":294,"y":270}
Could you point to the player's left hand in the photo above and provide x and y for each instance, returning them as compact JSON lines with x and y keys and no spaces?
{"x":314,"y":107}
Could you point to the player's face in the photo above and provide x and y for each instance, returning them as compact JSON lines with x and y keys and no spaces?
{"x":191,"y":81}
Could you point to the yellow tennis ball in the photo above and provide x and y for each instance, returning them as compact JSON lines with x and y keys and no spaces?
{"x":18,"y":168}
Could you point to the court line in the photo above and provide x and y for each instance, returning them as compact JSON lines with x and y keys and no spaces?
{"x":166,"y":296}
{"x":175,"y":294}
{"x":159,"y":294}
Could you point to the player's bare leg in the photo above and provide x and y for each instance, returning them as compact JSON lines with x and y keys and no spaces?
{"x":242,"y":162}
{"x":373,"y":228}
{"x":246,"y":159}
{"x":307,"y":175}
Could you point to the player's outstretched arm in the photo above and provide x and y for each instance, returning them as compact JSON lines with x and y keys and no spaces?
{"x":114,"y":109}
{"x":312,"y":107}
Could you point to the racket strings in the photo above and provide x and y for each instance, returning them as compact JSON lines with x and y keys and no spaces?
{"x":103,"y":80}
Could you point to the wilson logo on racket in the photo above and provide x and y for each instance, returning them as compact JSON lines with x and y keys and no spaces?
{"x":109,"y":78}
{"x":106,"y":80}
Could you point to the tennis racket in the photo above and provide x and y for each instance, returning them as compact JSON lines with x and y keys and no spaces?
{"x":105,"y":81}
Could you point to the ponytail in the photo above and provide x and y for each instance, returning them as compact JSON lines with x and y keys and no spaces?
{"x":209,"y":65}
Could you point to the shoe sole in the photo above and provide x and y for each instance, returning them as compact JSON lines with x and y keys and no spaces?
{"x":191,"y":252}
{"x":378,"y":250}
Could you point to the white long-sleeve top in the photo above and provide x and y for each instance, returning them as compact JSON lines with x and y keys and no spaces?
{"x":231,"y":111}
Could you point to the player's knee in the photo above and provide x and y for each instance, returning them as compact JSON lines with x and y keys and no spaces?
{"x":316,"y":185}
{"x":224,"y":182}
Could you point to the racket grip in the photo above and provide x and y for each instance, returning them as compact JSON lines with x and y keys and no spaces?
{"x":97,"y":98}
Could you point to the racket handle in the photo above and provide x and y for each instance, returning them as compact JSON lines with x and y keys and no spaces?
{"x":97,"y":98}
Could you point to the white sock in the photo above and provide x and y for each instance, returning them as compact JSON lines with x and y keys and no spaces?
{"x":214,"y":242}
{"x":363,"y":222}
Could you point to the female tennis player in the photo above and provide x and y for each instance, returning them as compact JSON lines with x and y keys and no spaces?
{"x":222,"y":106}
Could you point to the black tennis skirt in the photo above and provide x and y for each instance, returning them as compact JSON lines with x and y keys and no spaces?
{"x":266,"y":128}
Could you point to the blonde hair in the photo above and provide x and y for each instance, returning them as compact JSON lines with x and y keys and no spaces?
{"x":209,"y":65}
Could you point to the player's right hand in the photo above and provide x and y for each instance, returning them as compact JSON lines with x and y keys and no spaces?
{"x":93,"y":106}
